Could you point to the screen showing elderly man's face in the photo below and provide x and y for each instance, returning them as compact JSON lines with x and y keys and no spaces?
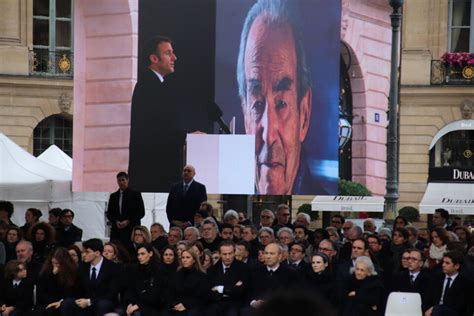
{"x":270,"y":108}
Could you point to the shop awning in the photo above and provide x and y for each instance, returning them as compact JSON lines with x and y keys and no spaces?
{"x":456,"y":198}
{"x":338,"y":203}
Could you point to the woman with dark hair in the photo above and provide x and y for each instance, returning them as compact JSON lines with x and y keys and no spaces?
{"x":16,"y":290}
{"x":56,"y":282}
{"x":398,"y":245}
{"x":32,"y":217}
{"x":191,"y":288}
{"x":12,"y":236}
{"x":399,"y":221}
{"x":439,"y":241}
{"x":75,"y":253}
{"x":319,"y":277}
{"x":169,"y":258}
{"x":147,"y":290}
{"x":42,"y":236}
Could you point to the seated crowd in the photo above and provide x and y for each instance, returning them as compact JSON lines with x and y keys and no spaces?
{"x":232,"y":267}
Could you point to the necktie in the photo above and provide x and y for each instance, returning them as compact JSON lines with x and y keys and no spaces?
{"x":15,"y":285}
{"x":186,"y":187}
{"x":120,"y":202}
{"x":270,"y":273}
{"x":225,"y":270}
{"x":93,"y":275}
{"x":445,"y":290}
{"x":412,"y":279}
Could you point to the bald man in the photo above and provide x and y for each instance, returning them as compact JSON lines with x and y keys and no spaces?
{"x":185,"y":199}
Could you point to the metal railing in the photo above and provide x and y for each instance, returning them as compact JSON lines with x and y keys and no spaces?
{"x":51,"y":63}
{"x":442,"y":74}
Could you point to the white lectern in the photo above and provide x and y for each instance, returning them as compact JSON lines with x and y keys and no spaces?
{"x":224,"y":163}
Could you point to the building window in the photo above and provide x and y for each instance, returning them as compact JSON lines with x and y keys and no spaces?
{"x":52,"y":37}
{"x":461,"y":39}
{"x":454,"y":150}
{"x":55,"y":129}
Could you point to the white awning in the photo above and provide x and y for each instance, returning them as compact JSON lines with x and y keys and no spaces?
{"x":338,"y":203}
{"x":456,"y":198}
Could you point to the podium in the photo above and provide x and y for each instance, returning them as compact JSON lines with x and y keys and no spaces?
{"x":224,"y":163}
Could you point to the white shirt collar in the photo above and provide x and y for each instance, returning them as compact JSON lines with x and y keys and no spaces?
{"x":273,"y":269}
{"x":158,"y":75}
{"x":453,"y":277}
{"x":97,"y":267}
{"x":189,"y":183}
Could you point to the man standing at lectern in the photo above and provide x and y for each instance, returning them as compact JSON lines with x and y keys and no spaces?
{"x":156,"y":122}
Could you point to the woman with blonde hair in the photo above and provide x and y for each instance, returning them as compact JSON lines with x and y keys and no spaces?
{"x":190,"y":285}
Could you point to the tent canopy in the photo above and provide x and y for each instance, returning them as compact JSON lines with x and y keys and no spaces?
{"x":339,"y":203}
{"x":456,"y":198}
{"x":56,"y":157}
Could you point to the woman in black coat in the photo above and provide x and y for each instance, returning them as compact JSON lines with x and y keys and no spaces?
{"x":16,"y":290}
{"x":363,"y":291}
{"x":320,"y":279}
{"x":147,"y":290}
{"x":191,"y":288}
{"x":42,"y":236}
{"x":57,"y":282}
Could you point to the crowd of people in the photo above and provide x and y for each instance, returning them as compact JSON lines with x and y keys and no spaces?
{"x":231,"y":267}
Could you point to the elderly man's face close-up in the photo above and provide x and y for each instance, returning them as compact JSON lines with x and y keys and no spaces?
{"x":270,"y":108}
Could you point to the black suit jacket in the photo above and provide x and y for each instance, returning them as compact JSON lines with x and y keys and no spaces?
{"x":423,"y":282}
{"x":133,"y":209}
{"x":182,"y":206}
{"x":263,"y":284}
{"x":238,"y":271}
{"x":20,"y":297}
{"x":162,"y":114}
{"x":106,"y":285}
{"x":459,"y":296}
{"x":68,"y":237}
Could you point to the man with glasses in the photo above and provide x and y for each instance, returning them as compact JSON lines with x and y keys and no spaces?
{"x":266,"y":218}
{"x":337,"y":221}
{"x":416,"y":279}
{"x":369,"y":226}
{"x":329,"y":248}
{"x":283,"y":215}
{"x":68,"y":233}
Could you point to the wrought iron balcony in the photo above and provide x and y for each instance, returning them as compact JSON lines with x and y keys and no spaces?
{"x":445,"y":74}
{"x":51,"y":63}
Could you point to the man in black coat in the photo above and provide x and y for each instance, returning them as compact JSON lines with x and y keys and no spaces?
{"x":451,"y":293}
{"x":185,"y":199}
{"x":98,"y":280}
{"x":229,"y":280}
{"x":124,"y":211}
{"x":67,"y":233}
{"x":415,"y":279}
{"x":271,"y":277}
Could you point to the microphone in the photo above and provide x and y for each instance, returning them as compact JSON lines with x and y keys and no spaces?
{"x":215,"y":115}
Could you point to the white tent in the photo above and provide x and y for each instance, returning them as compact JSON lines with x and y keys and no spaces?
{"x":27,"y":181}
{"x":155,"y":203}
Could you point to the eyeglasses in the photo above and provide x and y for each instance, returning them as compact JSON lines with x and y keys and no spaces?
{"x":405,"y":258}
{"x":264,"y":216}
{"x":336,"y":222}
{"x":285,"y":214}
{"x":346,"y":228}
{"x":324,"y":249}
{"x":413,"y":259}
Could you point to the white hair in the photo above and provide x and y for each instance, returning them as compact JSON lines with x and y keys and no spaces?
{"x":367,"y":262}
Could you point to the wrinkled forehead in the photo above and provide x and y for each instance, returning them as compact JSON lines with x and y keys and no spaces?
{"x":270,"y":41}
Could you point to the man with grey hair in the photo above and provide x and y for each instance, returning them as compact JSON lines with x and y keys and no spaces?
{"x":210,"y":238}
{"x":266,"y":218}
{"x":369,"y":226}
{"x":283,"y":214}
{"x":276,"y":96}
{"x":285,"y":235}
{"x":231,"y":217}
{"x":191,"y":234}
{"x":270,"y":277}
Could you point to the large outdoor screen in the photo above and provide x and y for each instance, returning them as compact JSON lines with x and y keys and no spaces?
{"x":268,"y":68}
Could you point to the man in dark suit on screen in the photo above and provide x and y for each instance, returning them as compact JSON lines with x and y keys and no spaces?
{"x":125,"y":210}
{"x":185,"y":199}
{"x":155,"y":122}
